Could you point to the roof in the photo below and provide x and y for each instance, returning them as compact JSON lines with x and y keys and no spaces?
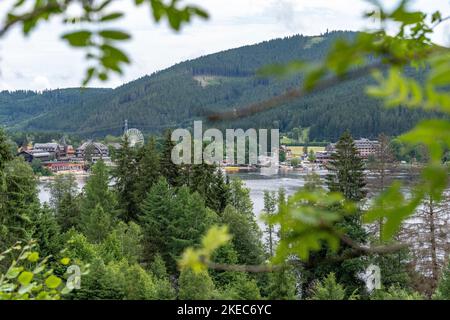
{"x":52,"y":145}
{"x":36,"y":154}
{"x":97,"y":145}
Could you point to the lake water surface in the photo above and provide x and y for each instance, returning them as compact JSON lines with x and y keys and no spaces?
{"x":291,"y":181}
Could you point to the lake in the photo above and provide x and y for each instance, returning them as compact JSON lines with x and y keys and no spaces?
{"x":256,"y":182}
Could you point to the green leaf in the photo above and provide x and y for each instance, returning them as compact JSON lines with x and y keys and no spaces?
{"x":25,"y":278}
{"x":215,"y":237}
{"x":112,"y":16}
{"x":114,"y":35}
{"x":65,"y":261}
{"x":79,"y":38}
{"x":53,"y":282}
{"x":13,"y":272}
{"x":33,"y":257}
{"x":114,"y":53}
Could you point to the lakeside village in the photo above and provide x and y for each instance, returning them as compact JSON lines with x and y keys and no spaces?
{"x":58,"y":157}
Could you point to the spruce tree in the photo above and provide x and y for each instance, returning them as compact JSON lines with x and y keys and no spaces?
{"x":221,"y":190}
{"x":148,"y":170}
{"x":323,"y":262}
{"x":5,"y":151}
{"x":46,"y":231}
{"x":125,"y":175}
{"x":246,"y":236}
{"x":19,"y":202}
{"x":97,"y":190}
{"x":98,"y":204}
{"x":154,"y":219}
{"x":195,"y":286}
{"x":169,"y":170}
{"x":97,"y":224}
{"x":282,"y":284}
{"x":172,"y":220}
{"x":346,"y":170}
{"x":328,"y":289}
{"x":270,"y":207}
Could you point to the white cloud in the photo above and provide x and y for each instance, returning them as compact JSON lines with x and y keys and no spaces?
{"x":41,"y":83}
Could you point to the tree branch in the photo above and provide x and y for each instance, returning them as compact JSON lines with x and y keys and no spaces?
{"x":30,"y":15}
{"x":244,"y":268}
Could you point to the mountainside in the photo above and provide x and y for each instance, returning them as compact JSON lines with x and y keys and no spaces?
{"x":176,"y":96}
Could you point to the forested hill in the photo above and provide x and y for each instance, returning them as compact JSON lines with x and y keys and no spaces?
{"x":176,"y":96}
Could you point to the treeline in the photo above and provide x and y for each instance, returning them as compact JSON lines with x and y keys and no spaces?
{"x":174,"y":98}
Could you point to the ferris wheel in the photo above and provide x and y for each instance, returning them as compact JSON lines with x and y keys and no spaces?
{"x":135,"y":137}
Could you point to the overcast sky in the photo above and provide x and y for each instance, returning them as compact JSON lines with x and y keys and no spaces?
{"x":43,"y":61}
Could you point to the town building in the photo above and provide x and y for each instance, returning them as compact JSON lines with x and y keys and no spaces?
{"x":30,"y":155}
{"x":365,"y":147}
{"x":322,"y":157}
{"x":53,"y":148}
{"x":64,"y":166}
{"x":93,"y":150}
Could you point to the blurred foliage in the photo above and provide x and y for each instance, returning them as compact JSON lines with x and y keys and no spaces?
{"x":30,"y":277}
{"x":196,"y":259}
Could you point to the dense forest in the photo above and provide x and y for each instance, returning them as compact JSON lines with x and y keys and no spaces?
{"x":190,"y":90}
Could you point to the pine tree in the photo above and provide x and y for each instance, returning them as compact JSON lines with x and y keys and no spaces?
{"x":169,"y":170}
{"x":19,"y":202}
{"x":322,"y":263}
{"x":125,"y":175}
{"x":154,"y":219}
{"x":5,"y":151}
{"x":195,"y":286}
{"x":346,"y":170}
{"x":98,"y":204}
{"x":328,"y":289}
{"x":240,"y":198}
{"x":165,"y":291}
{"x":96,"y":225}
{"x":148,"y":170}
{"x":124,"y":241}
{"x":246,"y":236}
{"x":427,"y":234}
{"x":68,"y":213}
{"x":243,"y":288}
{"x":202,"y":179}
{"x":97,"y":190}
{"x":172,"y":221}
{"x":46,"y":231}
{"x":282,"y":284}
{"x":189,"y":220}
{"x":270,"y":207}
{"x":65,"y":201}
{"x":380,"y":164}
{"x":221,"y":191}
